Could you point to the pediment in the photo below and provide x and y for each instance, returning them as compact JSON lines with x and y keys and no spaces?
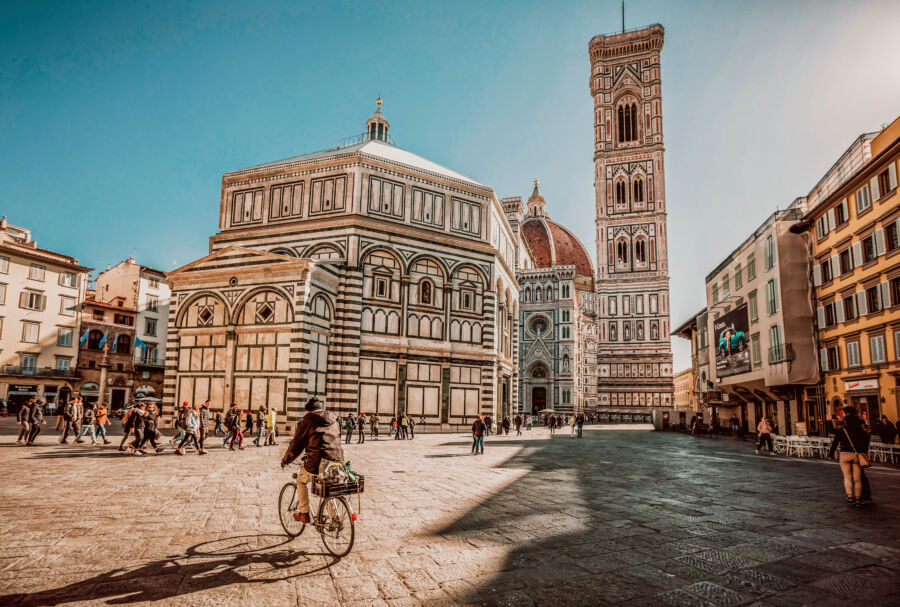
{"x":239,"y":260}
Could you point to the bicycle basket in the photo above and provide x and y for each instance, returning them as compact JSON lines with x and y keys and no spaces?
{"x":325,"y":489}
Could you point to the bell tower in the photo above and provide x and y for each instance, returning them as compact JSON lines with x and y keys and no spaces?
{"x":634,"y":362}
{"x":377,"y":126}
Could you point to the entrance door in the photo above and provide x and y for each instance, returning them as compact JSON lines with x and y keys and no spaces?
{"x":117,"y":399}
{"x":538,"y":399}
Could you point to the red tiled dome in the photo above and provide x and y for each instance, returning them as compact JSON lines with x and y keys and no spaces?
{"x":553,"y":245}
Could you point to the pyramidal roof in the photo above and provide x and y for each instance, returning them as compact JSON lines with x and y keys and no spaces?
{"x":376,"y":149}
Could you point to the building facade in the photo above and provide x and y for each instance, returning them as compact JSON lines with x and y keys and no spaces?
{"x":105,"y":360}
{"x":364,"y":273}
{"x":40,"y":318}
{"x":684,"y":393}
{"x":635,"y":359}
{"x":558,"y":322}
{"x":144,"y":289}
{"x":854,"y":244}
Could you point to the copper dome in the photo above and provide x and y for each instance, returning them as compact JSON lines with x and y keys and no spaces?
{"x":550,"y":243}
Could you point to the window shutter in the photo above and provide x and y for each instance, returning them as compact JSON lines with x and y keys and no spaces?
{"x":873,"y":188}
{"x":820,"y":315}
{"x":42,"y":304}
{"x":817,"y":275}
{"x":879,"y":242}
{"x":885,"y":294}
{"x":861,"y":306}
{"x":830,"y":216}
{"x":839,"y":309}
{"x":892,"y":175}
{"x":22,"y":296}
{"x":823,"y":359}
{"x":846,"y":209}
{"x":857,"y":254}
{"x":835,"y":266}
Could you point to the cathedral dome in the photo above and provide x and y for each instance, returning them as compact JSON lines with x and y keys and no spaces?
{"x":550,"y":243}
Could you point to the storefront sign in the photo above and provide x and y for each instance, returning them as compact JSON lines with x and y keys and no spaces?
{"x":23,"y":389}
{"x":732,"y":341}
{"x":862,"y":384}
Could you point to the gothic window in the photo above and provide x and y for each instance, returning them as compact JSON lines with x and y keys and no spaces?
{"x":638,"y":190}
{"x":627,"y":122}
{"x":640,"y":251}
{"x":425,"y":295}
{"x":612,"y":331}
{"x":620,"y":193}
{"x":622,"y":253}
{"x":626,"y":331}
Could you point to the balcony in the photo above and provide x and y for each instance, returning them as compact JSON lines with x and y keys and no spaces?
{"x":781,"y":353}
{"x":150,"y":360}
{"x":32,"y":372}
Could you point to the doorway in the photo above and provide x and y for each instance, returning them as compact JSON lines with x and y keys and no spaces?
{"x":538,"y":400}
{"x":117,"y":399}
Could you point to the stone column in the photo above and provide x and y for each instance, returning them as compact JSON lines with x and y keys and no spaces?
{"x":448,"y":302}
{"x":404,"y":303}
{"x":228,"y":392}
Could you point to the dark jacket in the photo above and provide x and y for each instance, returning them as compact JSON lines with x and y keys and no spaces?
{"x":478,"y":428}
{"x":851,"y":437}
{"x":88,"y":417}
{"x":24,"y":414}
{"x":204,"y":418}
{"x":233,"y":420}
{"x":37,"y":414}
{"x":319,"y":434}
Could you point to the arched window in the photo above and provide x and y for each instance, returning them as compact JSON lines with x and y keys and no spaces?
{"x":622,"y":253}
{"x":425,"y":292}
{"x":638,"y":190}
{"x":123,"y":345}
{"x":612,"y":331}
{"x":640,"y":251}
{"x":620,"y":193}
{"x":627,"y":122}
{"x":539,"y":371}
{"x":94,"y":337}
{"x":626,"y":331}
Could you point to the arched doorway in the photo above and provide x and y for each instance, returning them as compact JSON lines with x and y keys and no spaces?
{"x":538,"y":399}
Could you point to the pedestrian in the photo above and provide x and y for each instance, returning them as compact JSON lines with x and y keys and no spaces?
{"x":506,"y":425}
{"x":361,"y":428}
{"x":854,"y":443}
{"x":271,"y":426}
{"x":260,"y":425}
{"x":233,"y":421}
{"x":192,"y":428}
{"x":60,"y":418}
{"x":37,"y":420}
{"x":23,"y":419}
{"x":518,"y":422}
{"x":887,"y":430}
{"x":101,"y":421}
{"x":479,"y":428}
{"x":394,"y":429}
{"x":349,"y":425}
{"x":764,"y":429}
{"x":248,"y":423}
{"x":572,"y":426}
{"x":218,"y":427}
{"x":149,"y":416}
{"x":68,"y":420}
{"x":487,"y":424}
{"x":87,"y":424}
{"x":127,"y":427}
{"x":373,"y":426}
{"x":411,"y":423}
{"x":551,"y":421}
{"x":204,"y":426}
{"x":180,"y":418}
{"x":137,"y":419}
{"x":579,"y":422}
{"x":694,"y":425}
{"x":404,"y":427}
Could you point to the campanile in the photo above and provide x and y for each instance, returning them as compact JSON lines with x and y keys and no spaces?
{"x":634,"y":363}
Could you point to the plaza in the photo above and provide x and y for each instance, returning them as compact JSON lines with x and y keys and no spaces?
{"x":625,"y":517}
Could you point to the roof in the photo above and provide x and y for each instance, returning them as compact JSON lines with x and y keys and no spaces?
{"x":685,"y":329}
{"x":553,"y":245}
{"x":376,"y":149}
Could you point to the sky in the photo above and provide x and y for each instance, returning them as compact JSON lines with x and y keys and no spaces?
{"x":118,"y":120}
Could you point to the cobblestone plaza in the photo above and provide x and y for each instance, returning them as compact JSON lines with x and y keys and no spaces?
{"x":619,"y":517}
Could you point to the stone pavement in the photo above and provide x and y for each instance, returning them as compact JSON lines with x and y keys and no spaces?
{"x":627,"y":518}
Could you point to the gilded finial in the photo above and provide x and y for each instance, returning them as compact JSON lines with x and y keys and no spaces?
{"x":378,"y":101}
{"x":536,"y":182}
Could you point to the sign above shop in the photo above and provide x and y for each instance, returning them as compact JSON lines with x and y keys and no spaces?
{"x":861,"y":384}
{"x":26,"y":389}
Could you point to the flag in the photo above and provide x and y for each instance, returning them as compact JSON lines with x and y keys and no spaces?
{"x":138,"y":343}
{"x":84,"y":338}
{"x":102,"y":342}
{"x":115,"y":342}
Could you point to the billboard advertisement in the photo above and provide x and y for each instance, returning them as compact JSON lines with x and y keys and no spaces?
{"x":732,"y":342}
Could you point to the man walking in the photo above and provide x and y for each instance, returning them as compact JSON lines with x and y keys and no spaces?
{"x":37,"y":420}
{"x":373,"y":427}
{"x":412,"y":427}
{"x":218,"y":427}
{"x":479,"y":428}
{"x":505,"y":425}
{"x":87,"y":425}
{"x":404,"y":427}
{"x":204,"y":426}
{"x":579,"y":421}
{"x":518,"y":421}
{"x":361,"y":428}
{"x":271,"y":426}
{"x":260,"y":425}
{"x":764,"y":428}
{"x":23,"y":418}
{"x":349,"y":424}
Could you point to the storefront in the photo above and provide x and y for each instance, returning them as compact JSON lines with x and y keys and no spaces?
{"x":90,"y":392}
{"x":865,"y":395}
{"x":18,"y":394}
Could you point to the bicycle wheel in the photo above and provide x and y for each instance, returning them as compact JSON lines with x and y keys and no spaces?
{"x":287,"y":506}
{"x":336,"y":526}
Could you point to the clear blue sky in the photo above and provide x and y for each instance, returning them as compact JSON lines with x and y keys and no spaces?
{"x":117,"y":121}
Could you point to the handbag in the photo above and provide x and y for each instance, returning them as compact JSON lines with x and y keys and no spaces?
{"x":863,"y":459}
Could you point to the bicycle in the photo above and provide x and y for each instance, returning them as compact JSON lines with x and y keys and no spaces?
{"x":334,"y":520}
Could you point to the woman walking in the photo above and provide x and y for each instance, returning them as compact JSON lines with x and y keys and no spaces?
{"x":191,"y":428}
{"x":478,"y":430}
{"x":101,"y":419}
{"x":233,"y":421}
{"x":87,"y":424}
{"x":854,"y":443}
{"x":151,"y":426}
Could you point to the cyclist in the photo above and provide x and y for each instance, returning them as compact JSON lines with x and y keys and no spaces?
{"x":319,"y":433}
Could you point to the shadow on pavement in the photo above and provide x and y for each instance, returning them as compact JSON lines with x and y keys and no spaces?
{"x":205,"y":566}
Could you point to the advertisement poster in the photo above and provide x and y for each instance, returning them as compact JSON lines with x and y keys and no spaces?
{"x":732,"y":342}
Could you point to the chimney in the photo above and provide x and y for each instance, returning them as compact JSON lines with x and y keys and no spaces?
{"x":3,"y":223}
{"x":130,"y":260}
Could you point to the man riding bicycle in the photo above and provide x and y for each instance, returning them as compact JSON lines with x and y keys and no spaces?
{"x":320,"y":435}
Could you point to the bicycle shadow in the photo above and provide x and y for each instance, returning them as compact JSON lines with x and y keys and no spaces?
{"x":244,"y":559}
